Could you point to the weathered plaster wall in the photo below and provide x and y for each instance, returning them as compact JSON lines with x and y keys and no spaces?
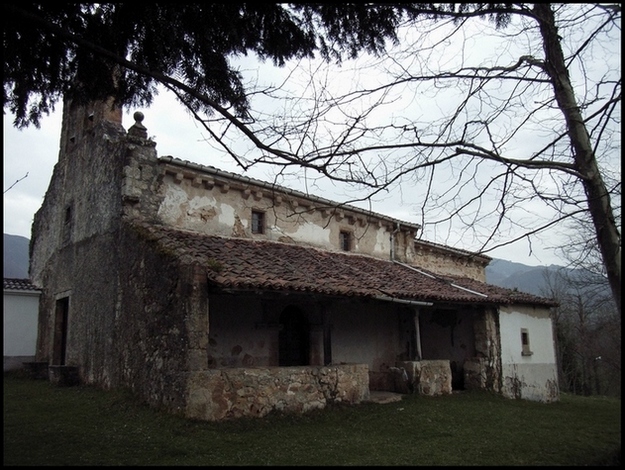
{"x":448,"y":334}
{"x":532,"y":377}
{"x":240,"y":335}
{"x":377,"y":334}
{"x":207,"y":200}
{"x":208,"y":204}
{"x":245,"y":329}
{"x":193,"y":198}
{"x":235,"y":392}
{"x":448,"y":262}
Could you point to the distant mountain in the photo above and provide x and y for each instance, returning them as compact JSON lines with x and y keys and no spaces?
{"x":530,"y":279}
{"x":533,"y":279}
{"x":16,"y":256}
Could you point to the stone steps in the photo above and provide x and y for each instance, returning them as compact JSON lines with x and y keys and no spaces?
{"x":384,"y":397}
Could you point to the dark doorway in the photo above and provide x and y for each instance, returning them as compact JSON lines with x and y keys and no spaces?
{"x":60,"y":331}
{"x":294,"y":338}
{"x":457,"y":375}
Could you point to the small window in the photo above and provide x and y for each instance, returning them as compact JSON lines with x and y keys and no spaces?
{"x":525,"y":343}
{"x":258,"y":222}
{"x":67,"y":225}
{"x":345,"y":241}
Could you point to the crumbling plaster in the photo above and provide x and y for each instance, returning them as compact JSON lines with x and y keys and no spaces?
{"x":213,"y":209}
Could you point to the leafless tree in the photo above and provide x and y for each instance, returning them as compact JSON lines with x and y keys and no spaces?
{"x":588,"y":332}
{"x":504,"y":132}
{"x":587,"y":323}
{"x":17,"y":181}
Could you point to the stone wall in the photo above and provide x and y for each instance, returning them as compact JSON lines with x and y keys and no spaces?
{"x":444,"y":260}
{"x":483,"y":372}
{"x":477,"y":373}
{"x":423,"y":377}
{"x":255,"y":392}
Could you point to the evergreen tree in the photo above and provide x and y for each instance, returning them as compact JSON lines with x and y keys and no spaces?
{"x":93,"y":51}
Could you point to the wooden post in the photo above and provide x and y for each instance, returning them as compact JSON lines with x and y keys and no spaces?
{"x":417,"y":334}
{"x":327,"y":338}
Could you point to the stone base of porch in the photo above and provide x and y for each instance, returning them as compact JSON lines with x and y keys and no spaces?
{"x":423,"y":377}
{"x":256,"y":391}
{"x":36,"y":370}
{"x":66,"y":376}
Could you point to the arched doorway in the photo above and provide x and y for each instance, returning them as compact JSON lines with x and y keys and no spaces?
{"x":294,"y":338}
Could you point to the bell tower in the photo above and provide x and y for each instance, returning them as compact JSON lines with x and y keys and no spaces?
{"x":80,"y":119}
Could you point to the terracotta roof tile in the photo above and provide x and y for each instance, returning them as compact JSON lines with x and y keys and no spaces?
{"x":19,"y":284}
{"x":241,"y":263}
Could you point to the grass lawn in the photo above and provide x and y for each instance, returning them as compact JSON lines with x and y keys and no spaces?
{"x":50,"y":425}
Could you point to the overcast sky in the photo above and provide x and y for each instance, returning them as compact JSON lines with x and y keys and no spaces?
{"x":34,"y":152}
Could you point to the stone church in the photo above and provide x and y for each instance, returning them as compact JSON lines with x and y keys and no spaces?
{"x":214,"y":295}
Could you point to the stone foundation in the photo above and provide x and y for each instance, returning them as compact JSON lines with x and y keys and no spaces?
{"x":16,"y":362}
{"x":423,"y":377}
{"x":63,"y":375}
{"x":36,"y":370}
{"x":481,"y":374}
{"x":231,"y":393}
{"x":475,"y":376}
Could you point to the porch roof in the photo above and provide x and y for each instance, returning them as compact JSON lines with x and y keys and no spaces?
{"x":249,"y":264}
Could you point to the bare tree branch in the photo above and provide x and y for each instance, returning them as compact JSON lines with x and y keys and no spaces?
{"x":19,"y":179}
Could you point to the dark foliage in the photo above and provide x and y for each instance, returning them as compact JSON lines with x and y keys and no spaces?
{"x":93,"y":51}
{"x":52,"y":50}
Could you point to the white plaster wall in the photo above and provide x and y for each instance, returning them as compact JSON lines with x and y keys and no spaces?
{"x":313,"y":234}
{"x":21,"y":310}
{"x":382,"y":241}
{"x":532,"y":377}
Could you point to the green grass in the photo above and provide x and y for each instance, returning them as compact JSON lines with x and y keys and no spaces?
{"x":49,"y":425}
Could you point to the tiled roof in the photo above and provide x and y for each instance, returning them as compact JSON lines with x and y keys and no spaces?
{"x":241,"y":263}
{"x":18,"y":284}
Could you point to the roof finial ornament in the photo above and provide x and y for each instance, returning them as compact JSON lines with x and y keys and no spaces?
{"x":138,"y":129}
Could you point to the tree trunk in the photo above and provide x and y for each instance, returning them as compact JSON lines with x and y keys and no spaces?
{"x":600,"y":209}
